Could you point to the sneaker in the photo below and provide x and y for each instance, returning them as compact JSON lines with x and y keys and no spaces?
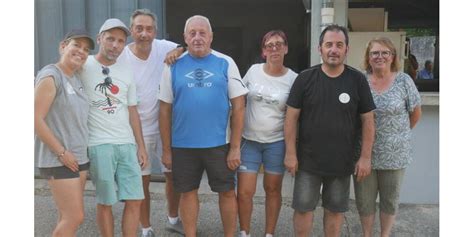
{"x":178,"y":227}
{"x":149,"y":234}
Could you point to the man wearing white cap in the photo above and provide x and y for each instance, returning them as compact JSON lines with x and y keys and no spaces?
{"x":116,"y":148}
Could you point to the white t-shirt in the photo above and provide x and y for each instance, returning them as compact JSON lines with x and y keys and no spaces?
{"x":147,"y":75}
{"x":266,"y":104}
{"x":108,"y":120}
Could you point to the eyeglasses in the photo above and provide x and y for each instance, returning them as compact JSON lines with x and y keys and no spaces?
{"x":276,"y":45}
{"x":384,"y":54}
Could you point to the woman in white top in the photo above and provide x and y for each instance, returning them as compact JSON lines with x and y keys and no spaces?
{"x":61,"y":133}
{"x":269,"y":84}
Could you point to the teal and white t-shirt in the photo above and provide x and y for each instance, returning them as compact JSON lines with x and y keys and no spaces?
{"x":111,"y":90}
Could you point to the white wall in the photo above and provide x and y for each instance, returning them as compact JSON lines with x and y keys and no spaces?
{"x":421,"y":184}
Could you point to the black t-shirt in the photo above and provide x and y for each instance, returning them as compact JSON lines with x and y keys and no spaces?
{"x":329,"y":118}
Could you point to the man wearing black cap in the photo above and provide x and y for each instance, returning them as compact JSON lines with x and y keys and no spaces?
{"x":116,"y":148}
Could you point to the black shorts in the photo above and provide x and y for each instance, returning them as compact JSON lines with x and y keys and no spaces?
{"x":62,"y":172}
{"x":188,"y":165}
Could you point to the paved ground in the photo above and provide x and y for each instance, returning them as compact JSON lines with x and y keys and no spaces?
{"x":412,"y":220}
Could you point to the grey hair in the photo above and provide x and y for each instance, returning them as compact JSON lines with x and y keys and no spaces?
{"x":145,"y":12}
{"x":197,"y":17}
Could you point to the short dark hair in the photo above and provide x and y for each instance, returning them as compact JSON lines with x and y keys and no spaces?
{"x":334,"y":28}
{"x":427,"y":62}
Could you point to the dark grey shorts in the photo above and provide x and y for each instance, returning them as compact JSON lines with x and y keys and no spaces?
{"x":335,"y":192}
{"x":62,"y":172}
{"x":189,"y":164}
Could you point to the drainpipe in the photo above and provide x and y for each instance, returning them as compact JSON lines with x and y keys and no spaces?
{"x":323,"y":13}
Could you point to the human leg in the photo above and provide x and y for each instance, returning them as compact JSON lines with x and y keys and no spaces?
{"x":105,"y":220}
{"x":221,"y":180}
{"x":131,"y":218}
{"x":102,"y":170}
{"x":246,"y":191}
{"x":145,"y":205}
{"x":273,"y":161}
{"x":305,"y":198}
{"x":272,"y":186}
{"x":189,"y":202}
{"x":130,"y":187}
{"x":389,"y":185}
{"x":187,"y":172}
{"x":366,"y":192}
{"x":251,"y":159}
{"x":228,"y":210}
{"x":151,"y":149}
{"x":68,"y":197}
{"x":171,"y":196}
{"x":335,"y":202}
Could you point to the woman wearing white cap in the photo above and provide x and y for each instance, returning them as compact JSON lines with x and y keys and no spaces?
{"x":61,"y":111}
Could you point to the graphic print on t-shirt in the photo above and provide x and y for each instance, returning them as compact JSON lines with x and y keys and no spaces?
{"x":199,"y":75}
{"x":109,"y":104}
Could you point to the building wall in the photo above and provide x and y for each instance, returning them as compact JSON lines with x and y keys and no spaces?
{"x":421,"y":183}
{"x":54,"y":18}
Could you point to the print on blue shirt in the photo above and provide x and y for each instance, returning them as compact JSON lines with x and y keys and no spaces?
{"x":201,"y":103}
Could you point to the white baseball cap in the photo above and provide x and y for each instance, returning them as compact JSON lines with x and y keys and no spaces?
{"x":114,"y":23}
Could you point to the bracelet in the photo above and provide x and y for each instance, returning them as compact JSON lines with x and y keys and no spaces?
{"x":62,"y":154}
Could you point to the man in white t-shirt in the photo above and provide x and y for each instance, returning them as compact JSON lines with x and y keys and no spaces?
{"x":116,"y":148}
{"x":145,"y":56}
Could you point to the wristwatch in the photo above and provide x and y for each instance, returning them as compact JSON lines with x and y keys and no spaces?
{"x":181,"y":46}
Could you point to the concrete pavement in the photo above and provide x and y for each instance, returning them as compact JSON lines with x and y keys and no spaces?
{"x":412,"y":220}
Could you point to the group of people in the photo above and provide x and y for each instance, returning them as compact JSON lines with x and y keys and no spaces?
{"x":117,"y":112}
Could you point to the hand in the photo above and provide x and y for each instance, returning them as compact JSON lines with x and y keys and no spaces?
{"x":362,"y":168}
{"x":69,"y":160}
{"x":233,"y":158}
{"x":173,"y":55}
{"x":166,"y":159}
{"x":142,"y":157}
{"x":291,"y":164}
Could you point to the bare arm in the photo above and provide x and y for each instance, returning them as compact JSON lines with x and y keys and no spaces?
{"x":165,"y":132}
{"x":45,"y":92}
{"x":363,"y":165}
{"x":415,"y":116}
{"x":290,"y":128}
{"x":236,"y":127}
{"x":137,"y":132}
{"x":173,"y":55}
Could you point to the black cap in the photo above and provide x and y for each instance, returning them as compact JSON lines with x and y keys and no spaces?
{"x":79,"y":33}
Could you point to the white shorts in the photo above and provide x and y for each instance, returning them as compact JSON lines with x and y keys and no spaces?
{"x":154,"y":151}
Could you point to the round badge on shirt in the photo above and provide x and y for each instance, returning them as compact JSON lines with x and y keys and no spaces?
{"x":344,"y":98}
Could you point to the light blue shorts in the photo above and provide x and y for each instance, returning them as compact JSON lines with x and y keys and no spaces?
{"x":115,"y":172}
{"x":271,"y":155}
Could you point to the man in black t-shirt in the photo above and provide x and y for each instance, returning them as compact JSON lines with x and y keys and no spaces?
{"x":332,"y":102}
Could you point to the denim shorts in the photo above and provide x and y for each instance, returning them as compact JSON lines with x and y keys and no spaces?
{"x":254,"y":154}
{"x":189,"y":164}
{"x":385,"y":183}
{"x":115,"y":172}
{"x":62,"y":172}
{"x":306,"y":192}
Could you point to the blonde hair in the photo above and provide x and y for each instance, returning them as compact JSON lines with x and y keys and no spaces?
{"x":395,"y":67}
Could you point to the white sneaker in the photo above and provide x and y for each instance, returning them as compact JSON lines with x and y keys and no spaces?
{"x":243,"y":234}
{"x":178,"y":227}
{"x":149,"y":234}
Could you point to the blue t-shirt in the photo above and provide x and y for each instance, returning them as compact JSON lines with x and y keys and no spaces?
{"x":200,"y":90}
